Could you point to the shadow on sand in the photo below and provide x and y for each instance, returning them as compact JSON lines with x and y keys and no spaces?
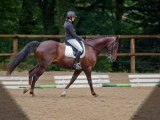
{"x":9,"y":110}
{"x":150,"y":109}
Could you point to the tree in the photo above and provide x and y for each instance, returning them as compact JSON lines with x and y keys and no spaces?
{"x":62,"y":6}
{"x":30,"y":22}
{"x":47,"y":8}
{"x":9,"y":24}
{"x":9,"y":12}
{"x":142,"y":17}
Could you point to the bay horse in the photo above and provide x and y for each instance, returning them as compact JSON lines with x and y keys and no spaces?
{"x":52,"y":52}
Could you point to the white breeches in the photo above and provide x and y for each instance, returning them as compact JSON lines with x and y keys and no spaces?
{"x":75,"y":44}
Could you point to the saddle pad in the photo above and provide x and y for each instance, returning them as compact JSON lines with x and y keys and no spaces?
{"x":69,"y":51}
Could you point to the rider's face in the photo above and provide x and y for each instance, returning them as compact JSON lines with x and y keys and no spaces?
{"x":73,"y":18}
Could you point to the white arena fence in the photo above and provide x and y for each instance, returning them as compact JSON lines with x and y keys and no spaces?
{"x":136,"y":80}
{"x":14,"y":82}
{"x":144,"y":80}
{"x":81,"y":81}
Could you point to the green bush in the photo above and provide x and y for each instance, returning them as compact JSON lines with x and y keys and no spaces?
{"x":103,"y":65}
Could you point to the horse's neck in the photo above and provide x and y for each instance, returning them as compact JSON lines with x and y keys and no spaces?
{"x":99,"y":44}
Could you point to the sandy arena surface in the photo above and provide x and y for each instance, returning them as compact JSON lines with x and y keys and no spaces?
{"x":112,"y":104}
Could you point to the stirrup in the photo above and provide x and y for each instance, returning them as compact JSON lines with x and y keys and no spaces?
{"x":77,"y":66}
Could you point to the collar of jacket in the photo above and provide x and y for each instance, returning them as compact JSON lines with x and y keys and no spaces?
{"x":68,"y":20}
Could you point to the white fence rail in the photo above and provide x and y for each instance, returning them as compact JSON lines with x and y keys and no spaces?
{"x":14,"y":82}
{"x":81,"y":81}
{"x":144,"y":80}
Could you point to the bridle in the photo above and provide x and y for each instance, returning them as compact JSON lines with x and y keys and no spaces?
{"x":110,"y":51}
{"x":109,"y":55}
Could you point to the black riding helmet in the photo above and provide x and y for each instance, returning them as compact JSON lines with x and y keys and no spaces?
{"x":71,"y":14}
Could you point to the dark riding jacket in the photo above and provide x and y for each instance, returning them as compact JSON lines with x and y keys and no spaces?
{"x":70,"y":31}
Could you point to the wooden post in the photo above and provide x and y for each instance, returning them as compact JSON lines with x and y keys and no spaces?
{"x":15,"y":46}
{"x":132,"y":50}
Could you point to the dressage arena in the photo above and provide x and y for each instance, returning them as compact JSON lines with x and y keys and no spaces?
{"x":113,"y":103}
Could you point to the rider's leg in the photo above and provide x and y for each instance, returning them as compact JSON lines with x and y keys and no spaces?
{"x":77,"y":60}
{"x":79,"y":48}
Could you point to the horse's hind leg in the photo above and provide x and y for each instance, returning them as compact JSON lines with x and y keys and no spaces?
{"x":74,"y":77}
{"x":31,"y":73}
{"x":38,"y":72}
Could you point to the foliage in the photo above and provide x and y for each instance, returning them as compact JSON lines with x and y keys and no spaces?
{"x":95,"y":17}
{"x":9,"y":10}
{"x":102,"y":66}
{"x":29,"y":20}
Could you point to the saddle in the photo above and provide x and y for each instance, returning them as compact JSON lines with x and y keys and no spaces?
{"x":71,"y":51}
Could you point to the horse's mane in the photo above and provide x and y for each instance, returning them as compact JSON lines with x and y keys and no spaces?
{"x":97,"y":37}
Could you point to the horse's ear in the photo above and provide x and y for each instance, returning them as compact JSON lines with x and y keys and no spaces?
{"x":117,"y":38}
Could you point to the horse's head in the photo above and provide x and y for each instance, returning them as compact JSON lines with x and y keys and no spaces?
{"x":109,"y":43}
{"x":112,"y":47}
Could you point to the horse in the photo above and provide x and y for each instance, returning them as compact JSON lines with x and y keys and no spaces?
{"x":52,"y":52}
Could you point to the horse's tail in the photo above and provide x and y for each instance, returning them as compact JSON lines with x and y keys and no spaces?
{"x":22,"y":55}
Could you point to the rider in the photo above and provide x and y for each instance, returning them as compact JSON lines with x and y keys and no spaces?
{"x":72,"y":38}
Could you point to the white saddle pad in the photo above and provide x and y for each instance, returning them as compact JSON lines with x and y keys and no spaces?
{"x":69,"y":51}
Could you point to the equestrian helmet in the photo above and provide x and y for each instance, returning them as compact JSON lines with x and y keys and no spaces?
{"x":71,"y":14}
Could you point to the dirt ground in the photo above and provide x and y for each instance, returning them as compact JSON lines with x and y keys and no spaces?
{"x":111,"y":104}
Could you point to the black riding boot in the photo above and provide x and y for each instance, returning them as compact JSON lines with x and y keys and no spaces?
{"x":77,"y":64}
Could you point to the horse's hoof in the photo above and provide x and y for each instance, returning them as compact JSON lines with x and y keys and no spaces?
{"x":32,"y":93}
{"x":95,"y":95}
{"x":25,"y":91}
{"x":63,"y":95}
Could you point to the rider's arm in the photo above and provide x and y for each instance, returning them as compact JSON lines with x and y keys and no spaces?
{"x":72,"y":32}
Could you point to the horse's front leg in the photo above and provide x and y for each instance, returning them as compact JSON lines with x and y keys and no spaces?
{"x":89,"y":78}
{"x":74,"y":77}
